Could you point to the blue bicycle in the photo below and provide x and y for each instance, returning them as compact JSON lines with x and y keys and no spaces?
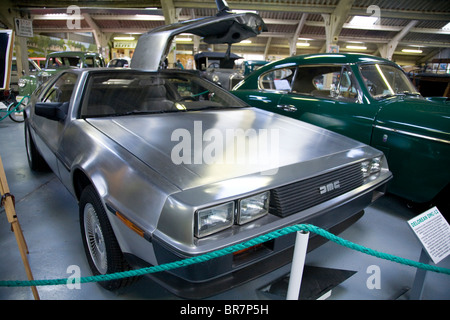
{"x":14,"y":110}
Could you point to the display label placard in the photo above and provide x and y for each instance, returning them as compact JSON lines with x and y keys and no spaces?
{"x":433,"y":232}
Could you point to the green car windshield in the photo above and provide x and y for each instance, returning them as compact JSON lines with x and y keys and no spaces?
{"x":384,"y":80}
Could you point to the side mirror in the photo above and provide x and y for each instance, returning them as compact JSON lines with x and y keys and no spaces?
{"x":52,"y":110}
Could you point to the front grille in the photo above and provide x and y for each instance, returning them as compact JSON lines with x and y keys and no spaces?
{"x":298,"y":196}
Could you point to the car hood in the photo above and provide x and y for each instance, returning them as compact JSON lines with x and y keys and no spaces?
{"x":417,"y":116}
{"x":199,"y":148}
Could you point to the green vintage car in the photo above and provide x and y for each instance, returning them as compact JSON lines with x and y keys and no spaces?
{"x":371,"y":100}
{"x":55,"y":63}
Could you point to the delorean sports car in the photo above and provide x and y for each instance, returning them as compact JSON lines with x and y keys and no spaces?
{"x":166,"y":165}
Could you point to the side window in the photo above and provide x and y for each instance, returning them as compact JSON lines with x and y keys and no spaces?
{"x":332,"y":81}
{"x":54,"y":63}
{"x":279,"y":79}
{"x":318,"y":81}
{"x":61,"y":90}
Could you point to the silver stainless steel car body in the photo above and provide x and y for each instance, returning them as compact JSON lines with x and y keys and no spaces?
{"x":149,"y":152}
{"x":128,"y":159}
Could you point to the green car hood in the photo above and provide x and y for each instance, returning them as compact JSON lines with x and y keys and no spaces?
{"x":417,"y":116}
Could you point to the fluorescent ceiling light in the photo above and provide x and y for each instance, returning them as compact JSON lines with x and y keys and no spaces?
{"x":59,"y":16}
{"x":183,"y":39}
{"x":305,"y":39}
{"x":356,"y":47}
{"x":244,"y":11}
{"x":124,"y":38}
{"x":412,"y":50}
{"x":246,"y":41}
{"x":446,"y":27}
{"x":303,"y":44}
{"x":363,"y":21}
{"x":149,"y":17}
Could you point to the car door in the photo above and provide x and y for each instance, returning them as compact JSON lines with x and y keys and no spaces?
{"x":49,"y":132}
{"x":272,"y":86}
{"x":330,"y":97}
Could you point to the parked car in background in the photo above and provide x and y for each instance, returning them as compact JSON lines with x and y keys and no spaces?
{"x":55,"y":63}
{"x":9,"y":96}
{"x":248,"y":66}
{"x":371,"y":100}
{"x":219,"y":68}
{"x":166,"y":165}
{"x":119,"y":63}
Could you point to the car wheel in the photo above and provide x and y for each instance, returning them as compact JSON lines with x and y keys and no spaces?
{"x":101,"y":247}
{"x":35,"y":160}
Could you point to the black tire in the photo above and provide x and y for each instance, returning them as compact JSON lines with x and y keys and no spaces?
{"x":100,"y":244}
{"x":35,"y":160}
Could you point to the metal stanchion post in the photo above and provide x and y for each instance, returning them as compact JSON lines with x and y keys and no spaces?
{"x":298,"y":262}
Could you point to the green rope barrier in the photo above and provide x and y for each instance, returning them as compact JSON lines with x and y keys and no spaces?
{"x":215,"y":254}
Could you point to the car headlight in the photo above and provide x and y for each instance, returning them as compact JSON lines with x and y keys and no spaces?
{"x":253,"y":207}
{"x":22,"y":83}
{"x":214,"y":219}
{"x":215,"y":78}
{"x":371,"y":167}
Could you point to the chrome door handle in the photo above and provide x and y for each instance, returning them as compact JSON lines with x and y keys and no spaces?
{"x":287,"y":107}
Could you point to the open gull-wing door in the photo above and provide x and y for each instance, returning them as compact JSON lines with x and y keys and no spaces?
{"x":225,"y":27}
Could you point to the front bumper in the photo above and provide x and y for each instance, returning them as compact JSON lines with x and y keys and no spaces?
{"x":220,"y":274}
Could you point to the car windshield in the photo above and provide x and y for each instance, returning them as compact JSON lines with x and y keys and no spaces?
{"x":385,"y":80}
{"x":123,"y":92}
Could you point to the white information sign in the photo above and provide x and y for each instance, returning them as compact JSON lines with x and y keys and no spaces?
{"x":433,"y":232}
{"x":24,"y":27}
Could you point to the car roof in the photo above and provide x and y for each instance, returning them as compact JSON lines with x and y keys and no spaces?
{"x":338,"y":58}
{"x":71,"y":53}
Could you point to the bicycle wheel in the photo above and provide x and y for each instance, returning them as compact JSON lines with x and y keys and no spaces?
{"x":15,"y":110}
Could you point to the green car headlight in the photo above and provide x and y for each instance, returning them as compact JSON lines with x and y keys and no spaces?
{"x":214,"y":219}
{"x":253,"y":207}
{"x":22,"y":83}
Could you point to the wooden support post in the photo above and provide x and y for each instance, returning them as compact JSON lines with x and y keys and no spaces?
{"x":7,"y":200}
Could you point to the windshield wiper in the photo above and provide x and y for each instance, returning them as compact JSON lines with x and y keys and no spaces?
{"x":134,"y":112}
{"x":213,"y":108}
{"x":408,"y":93}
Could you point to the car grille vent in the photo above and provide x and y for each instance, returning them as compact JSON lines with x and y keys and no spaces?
{"x":298,"y":196}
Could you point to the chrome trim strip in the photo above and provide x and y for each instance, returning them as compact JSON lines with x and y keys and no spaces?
{"x":413,"y":134}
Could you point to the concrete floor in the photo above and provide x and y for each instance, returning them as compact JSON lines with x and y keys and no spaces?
{"x":49,"y":218}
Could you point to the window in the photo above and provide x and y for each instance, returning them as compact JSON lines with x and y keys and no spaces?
{"x":61,"y":90}
{"x":317,"y":80}
{"x":279,"y":79}
{"x":92,"y":62}
{"x":333,"y":81}
{"x":386,"y":80}
{"x":124,"y":92}
{"x":58,"y":62}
